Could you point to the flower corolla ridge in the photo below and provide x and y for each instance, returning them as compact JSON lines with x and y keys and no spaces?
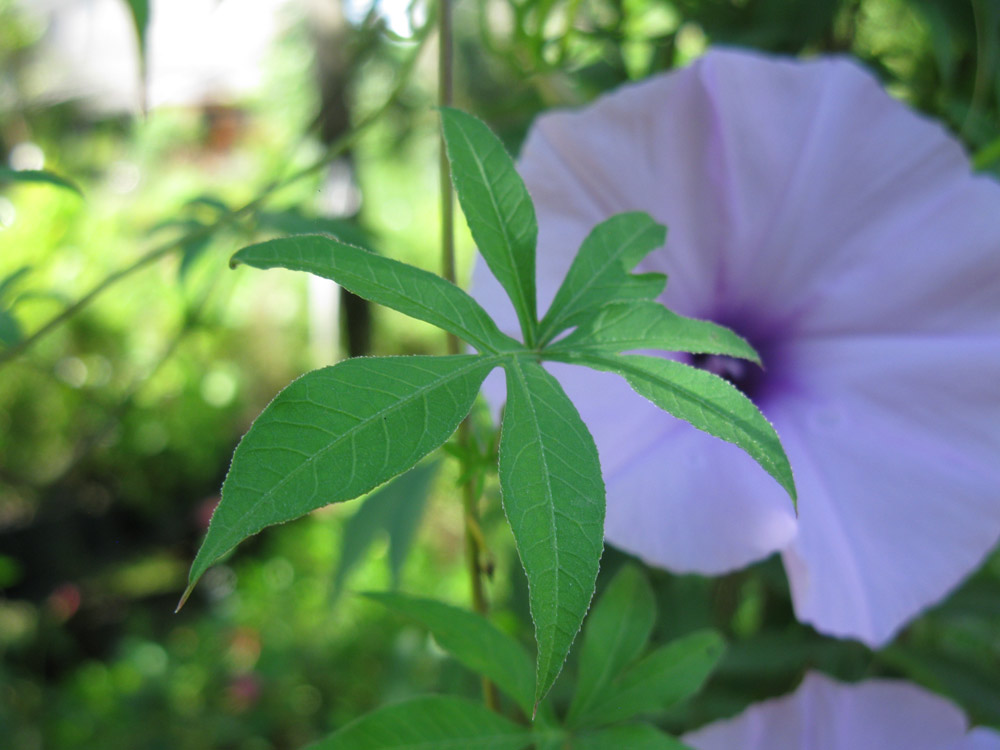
{"x":846,"y":238}
{"x":827,"y":715}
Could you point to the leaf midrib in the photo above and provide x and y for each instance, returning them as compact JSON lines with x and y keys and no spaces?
{"x":479,"y":360}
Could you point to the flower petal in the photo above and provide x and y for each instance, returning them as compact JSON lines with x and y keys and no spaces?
{"x":826,"y":715}
{"x":895,"y":445}
{"x":677,"y":497}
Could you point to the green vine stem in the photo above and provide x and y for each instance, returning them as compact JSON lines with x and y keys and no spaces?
{"x":470,"y":496}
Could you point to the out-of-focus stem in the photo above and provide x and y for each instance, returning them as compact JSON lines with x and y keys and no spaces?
{"x":470,"y":499}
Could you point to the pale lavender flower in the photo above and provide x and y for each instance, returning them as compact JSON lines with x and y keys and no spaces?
{"x":845,"y":237}
{"x":827,"y":715}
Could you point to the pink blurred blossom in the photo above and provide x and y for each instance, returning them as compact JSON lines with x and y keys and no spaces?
{"x":843,"y":235}
{"x":827,"y":715}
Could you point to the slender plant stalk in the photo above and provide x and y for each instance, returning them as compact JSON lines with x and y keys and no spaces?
{"x":334,"y":150}
{"x":470,"y":497}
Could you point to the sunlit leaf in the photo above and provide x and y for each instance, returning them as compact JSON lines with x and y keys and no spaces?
{"x":553,"y":495}
{"x":706,"y":401}
{"x":38,"y":175}
{"x":413,"y":291}
{"x":616,"y":632}
{"x":498,"y":209}
{"x":600,"y":274}
{"x":429,"y":723}
{"x":644,"y":324}
{"x":336,"y":433}
{"x":474,"y":641}
{"x":660,"y":679}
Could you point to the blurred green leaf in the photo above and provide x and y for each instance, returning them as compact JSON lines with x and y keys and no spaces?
{"x":336,"y":433}
{"x":474,"y":641}
{"x":410,"y":290}
{"x":645,"y":324}
{"x":295,"y":221}
{"x":600,"y":274}
{"x":704,"y":400}
{"x":10,"y":329}
{"x":628,"y":737}
{"x":553,"y":495}
{"x":429,"y":723}
{"x":497,"y":208}
{"x":616,"y":632}
{"x":395,"y":508}
{"x":668,"y":674}
{"x":40,"y":176}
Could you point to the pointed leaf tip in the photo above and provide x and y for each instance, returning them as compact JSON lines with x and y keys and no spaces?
{"x":184,"y":596}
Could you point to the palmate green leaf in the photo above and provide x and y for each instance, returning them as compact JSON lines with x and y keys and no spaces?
{"x":497,"y":208}
{"x":435,"y":722}
{"x":553,"y":495}
{"x":705,"y":400}
{"x":645,"y":324}
{"x":616,"y":632}
{"x":395,"y":508}
{"x":38,"y":175}
{"x":336,"y":433}
{"x":660,"y":679}
{"x":474,"y":641}
{"x":410,"y":290}
{"x":627,"y":737}
{"x":600,"y":274}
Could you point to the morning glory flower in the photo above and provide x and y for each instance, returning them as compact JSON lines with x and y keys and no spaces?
{"x":827,"y":715}
{"x":845,"y":237}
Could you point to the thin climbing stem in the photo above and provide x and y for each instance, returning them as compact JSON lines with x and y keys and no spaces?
{"x":470,"y":495}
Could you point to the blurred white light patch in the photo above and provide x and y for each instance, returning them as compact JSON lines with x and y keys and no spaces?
{"x":198,"y":51}
{"x":26,"y":155}
{"x":219,"y":387}
{"x":8,"y":214}
{"x":402,"y":17}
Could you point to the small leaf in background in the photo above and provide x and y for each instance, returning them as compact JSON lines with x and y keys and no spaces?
{"x":10,"y":329}
{"x":616,"y":632}
{"x":292,"y":221}
{"x":474,"y":641}
{"x":40,"y":176}
{"x":139,"y":10}
{"x":553,"y":495}
{"x":336,"y":433}
{"x":628,"y":737}
{"x":497,"y":208}
{"x":396,"y":509}
{"x":429,"y":723}
{"x":707,"y":402}
{"x":600,"y":274}
{"x":645,"y":324}
{"x":410,"y":290}
{"x":667,"y":675}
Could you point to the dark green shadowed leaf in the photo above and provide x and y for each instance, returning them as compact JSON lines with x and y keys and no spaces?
{"x":474,"y":641}
{"x":616,"y":632}
{"x":435,"y":722}
{"x":410,"y":290}
{"x":645,"y":324}
{"x":497,"y":208}
{"x":628,"y":737}
{"x":395,"y":509}
{"x":600,"y":274}
{"x":336,"y":433}
{"x":663,"y":677}
{"x":706,"y":401}
{"x":553,"y":495}
{"x":37,"y":175}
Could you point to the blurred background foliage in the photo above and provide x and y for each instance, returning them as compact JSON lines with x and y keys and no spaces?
{"x":116,"y":427}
